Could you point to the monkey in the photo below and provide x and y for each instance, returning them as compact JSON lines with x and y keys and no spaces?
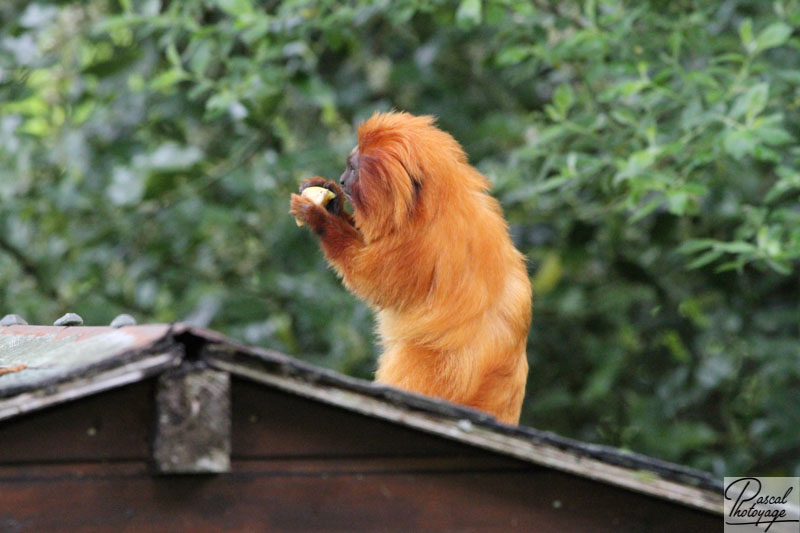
{"x":428,"y":249}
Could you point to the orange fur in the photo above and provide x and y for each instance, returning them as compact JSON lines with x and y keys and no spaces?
{"x":429,"y":250}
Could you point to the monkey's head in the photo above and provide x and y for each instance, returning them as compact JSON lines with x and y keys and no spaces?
{"x":403,"y":171}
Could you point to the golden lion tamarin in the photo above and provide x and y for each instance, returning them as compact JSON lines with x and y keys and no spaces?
{"x":428,"y":248}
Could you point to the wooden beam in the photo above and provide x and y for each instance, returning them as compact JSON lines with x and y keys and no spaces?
{"x":353,"y":495}
{"x":193,"y":425}
{"x":465,"y":431}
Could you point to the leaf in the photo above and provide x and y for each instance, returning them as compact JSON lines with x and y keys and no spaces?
{"x":645,"y":210}
{"x":219,"y":103}
{"x":637,"y":163}
{"x":756,"y":100}
{"x":563,"y":98}
{"x":168,"y":157}
{"x":788,"y":180}
{"x":552,"y":183}
{"x":692,"y":115}
{"x":736,"y":264}
{"x":590,"y":9}
{"x":695,"y":245}
{"x":781,"y":267}
{"x":677,"y":202}
{"x":167,"y":79}
{"x":127,"y":186}
{"x":762,"y":152}
{"x":751,"y":103}
{"x":739,"y":143}
{"x":671,"y":339}
{"x":602,"y":381}
{"x":235,"y":7}
{"x":37,"y":126}
{"x":631,"y":87}
{"x":773,"y":35}
{"x":777,"y":190}
{"x":746,"y":33}
{"x":774,"y":136}
{"x":706,"y":258}
{"x":513,"y":55}
{"x":789,"y":76}
{"x":549,"y":274}
{"x":468,"y":13}
{"x":173,"y":56}
{"x":736,"y":247}
{"x":201,"y":58}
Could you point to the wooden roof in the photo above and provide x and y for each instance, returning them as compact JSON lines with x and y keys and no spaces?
{"x":65,"y":363}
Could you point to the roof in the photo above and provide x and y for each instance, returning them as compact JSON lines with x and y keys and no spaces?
{"x":65,"y":363}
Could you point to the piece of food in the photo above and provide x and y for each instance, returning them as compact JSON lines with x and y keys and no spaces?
{"x":319,"y":195}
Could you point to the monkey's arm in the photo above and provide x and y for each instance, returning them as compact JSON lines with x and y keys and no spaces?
{"x":334,"y":226}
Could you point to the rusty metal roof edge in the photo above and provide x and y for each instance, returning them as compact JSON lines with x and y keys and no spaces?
{"x":163,"y":343}
{"x":81,"y":386}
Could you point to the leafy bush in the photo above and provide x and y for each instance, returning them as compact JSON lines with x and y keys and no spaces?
{"x":645,"y":153}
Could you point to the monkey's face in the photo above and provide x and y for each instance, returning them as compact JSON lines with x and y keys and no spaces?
{"x":380,"y":188}
{"x":350,"y":175}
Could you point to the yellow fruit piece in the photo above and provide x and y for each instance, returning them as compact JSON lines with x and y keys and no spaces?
{"x":319,"y":195}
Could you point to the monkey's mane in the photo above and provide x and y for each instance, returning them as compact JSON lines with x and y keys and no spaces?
{"x":401,"y":158}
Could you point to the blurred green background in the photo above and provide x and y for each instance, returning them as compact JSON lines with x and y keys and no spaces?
{"x":645,"y":154}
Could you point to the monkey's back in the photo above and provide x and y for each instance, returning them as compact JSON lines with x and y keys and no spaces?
{"x":464,"y":340}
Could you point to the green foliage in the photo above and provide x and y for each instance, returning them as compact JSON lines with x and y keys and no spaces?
{"x":645,"y":154}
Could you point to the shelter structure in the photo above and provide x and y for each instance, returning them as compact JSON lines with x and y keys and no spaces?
{"x":172,"y":428}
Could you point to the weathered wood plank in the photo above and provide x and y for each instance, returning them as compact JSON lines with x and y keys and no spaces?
{"x":193,"y":426}
{"x":275,"y":496}
{"x":269,"y":423}
{"x":112,"y":425}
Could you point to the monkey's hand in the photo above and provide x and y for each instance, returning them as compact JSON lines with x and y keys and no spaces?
{"x":333,"y":225}
{"x":336,"y":205}
{"x":307,"y":212}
